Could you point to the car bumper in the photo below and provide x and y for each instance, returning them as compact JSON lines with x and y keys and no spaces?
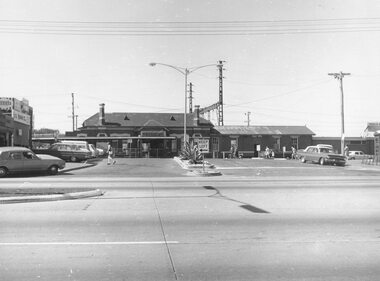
{"x":335,"y":161}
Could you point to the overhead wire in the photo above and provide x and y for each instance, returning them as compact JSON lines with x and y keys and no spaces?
{"x":279,"y":95}
{"x":175,"y":28}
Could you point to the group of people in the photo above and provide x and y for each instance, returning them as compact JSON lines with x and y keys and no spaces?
{"x":269,"y":153}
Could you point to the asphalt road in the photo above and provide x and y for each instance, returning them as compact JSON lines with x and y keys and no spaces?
{"x":315,"y":223}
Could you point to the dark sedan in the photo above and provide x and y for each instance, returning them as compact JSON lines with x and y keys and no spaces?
{"x":66,"y":151}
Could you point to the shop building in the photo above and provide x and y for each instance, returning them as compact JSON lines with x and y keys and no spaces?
{"x":6,"y":130}
{"x":18,"y":121}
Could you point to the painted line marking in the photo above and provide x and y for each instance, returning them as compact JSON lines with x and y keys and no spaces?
{"x":87,"y":243}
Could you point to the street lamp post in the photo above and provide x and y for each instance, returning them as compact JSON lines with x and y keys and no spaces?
{"x":185,"y":72}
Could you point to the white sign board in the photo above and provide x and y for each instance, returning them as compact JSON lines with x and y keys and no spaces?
{"x":20,"y":117}
{"x":203,"y":145}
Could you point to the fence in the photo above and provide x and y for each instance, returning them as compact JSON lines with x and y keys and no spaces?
{"x":371,"y":160}
{"x":140,"y":153}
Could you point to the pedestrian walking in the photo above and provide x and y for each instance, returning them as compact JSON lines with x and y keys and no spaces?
{"x":110,"y":155}
{"x":232,"y":151}
{"x":267,"y":152}
{"x":294,"y":152}
{"x":346,"y":151}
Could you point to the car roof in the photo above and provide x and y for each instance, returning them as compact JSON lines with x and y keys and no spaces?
{"x":324,"y":145}
{"x":77,"y":142}
{"x":13,"y":148}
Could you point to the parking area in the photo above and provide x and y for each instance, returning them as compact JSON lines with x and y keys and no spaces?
{"x":167,"y":167}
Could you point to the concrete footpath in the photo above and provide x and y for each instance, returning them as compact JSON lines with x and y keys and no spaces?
{"x":40,"y":197}
{"x":24,"y":195}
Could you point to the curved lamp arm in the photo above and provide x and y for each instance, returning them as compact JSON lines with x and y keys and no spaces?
{"x":190,"y":70}
{"x":184,"y":71}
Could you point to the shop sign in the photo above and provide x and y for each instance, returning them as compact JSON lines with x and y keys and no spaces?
{"x":203,"y":145}
{"x":20,"y":117}
{"x":17,"y":105}
{"x":153,"y":134}
{"x":6,"y":105}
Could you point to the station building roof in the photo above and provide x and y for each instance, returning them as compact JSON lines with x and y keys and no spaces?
{"x":264,"y":130}
{"x":140,"y":119}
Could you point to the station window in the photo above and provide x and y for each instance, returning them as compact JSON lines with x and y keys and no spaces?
{"x":215,"y":144}
{"x":294,"y":141}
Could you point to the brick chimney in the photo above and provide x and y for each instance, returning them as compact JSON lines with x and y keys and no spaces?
{"x":102,"y":117}
{"x":196,"y":115}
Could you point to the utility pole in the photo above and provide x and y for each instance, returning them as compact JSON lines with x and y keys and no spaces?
{"x":191,"y":97}
{"x":248,"y":117}
{"x":76,"y":122}
{"x":220,"y":107}
{"x":72,"y":110}
{"x":340,"y":77}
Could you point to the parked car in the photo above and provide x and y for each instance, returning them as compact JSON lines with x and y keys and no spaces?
{"x":321,"y":154}
{"x":20,"y":159}
{"x":67,"y":151}
{"x":84,"y":145}
{"x":352,"y":155}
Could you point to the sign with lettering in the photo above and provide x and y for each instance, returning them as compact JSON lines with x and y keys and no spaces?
{"x":153,"y":134}
{"x":20,"y":117}
{"x":203,"y":145}
{"x":6,"y":105}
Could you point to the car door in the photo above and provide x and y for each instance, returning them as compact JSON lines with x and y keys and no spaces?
{"x":311,"y":154}
{"x":15,"y":162}
{"x":32,"y":162}
{"x":316,"y":154}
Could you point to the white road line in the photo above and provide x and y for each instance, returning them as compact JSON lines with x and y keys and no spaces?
{"x":86,"y":243}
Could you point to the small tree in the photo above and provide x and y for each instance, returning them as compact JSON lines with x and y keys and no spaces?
{"x":191,"y":153}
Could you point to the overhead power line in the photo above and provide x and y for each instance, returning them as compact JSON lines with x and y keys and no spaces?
{"x":135,"y":28}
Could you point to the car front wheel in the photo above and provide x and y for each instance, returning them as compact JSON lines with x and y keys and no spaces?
{"x":3,"y":172}
{"x":73,"y":159}
{"x":53,"y":170}
{"x":303,"y":160}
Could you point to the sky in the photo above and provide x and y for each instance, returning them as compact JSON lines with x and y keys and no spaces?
{"x":277,"y":55}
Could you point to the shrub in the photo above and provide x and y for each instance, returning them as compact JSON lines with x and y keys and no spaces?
{"x":191,"y":153}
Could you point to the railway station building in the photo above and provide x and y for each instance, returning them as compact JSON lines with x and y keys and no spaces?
{"x":161,"y":135}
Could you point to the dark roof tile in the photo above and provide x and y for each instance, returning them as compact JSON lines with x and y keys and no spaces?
{"x":146,"y":119}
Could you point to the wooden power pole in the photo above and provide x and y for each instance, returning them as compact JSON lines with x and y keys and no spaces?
{"x":340,"y":77}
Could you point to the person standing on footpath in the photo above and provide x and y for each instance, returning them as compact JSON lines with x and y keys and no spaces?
{"x":294,"y":153}
{"x":346,"y":151}
{"x":110,"y":155}
{"x":267,"y":152}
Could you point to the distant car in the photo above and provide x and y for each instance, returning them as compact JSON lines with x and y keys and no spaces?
{"x":20,"y":159}
{"x":352,"y":155}
{"x":66,"y":151}
{"x":321,"y":154}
